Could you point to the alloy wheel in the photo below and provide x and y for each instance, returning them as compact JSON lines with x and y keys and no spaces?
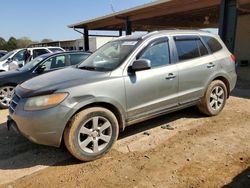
{"x":217,"y":98}
{"x":95,"y":134}
{"x":6,"y":95}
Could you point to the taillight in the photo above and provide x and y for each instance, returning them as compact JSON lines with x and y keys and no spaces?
{"x":233,"y":58}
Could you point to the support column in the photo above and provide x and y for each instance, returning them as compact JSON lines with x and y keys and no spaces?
{"x":120,"y":32}
{"x":86,"y":39}
{"x":228,"y":22}
{"x":128,"y":27}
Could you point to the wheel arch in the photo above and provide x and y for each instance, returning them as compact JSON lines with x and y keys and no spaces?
{"x":225,"y":81}
{"x":114,"y":109}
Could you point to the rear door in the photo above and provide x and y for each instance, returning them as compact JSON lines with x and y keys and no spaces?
{"x":195,"y":65}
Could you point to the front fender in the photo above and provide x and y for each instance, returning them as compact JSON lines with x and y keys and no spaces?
{"x":93,"y":100}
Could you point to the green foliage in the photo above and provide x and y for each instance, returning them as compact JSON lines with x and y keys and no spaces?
{"x":2,"y":43}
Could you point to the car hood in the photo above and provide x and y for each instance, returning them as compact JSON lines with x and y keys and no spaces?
{"x":8,"y":74}
{"x":61,"y":79}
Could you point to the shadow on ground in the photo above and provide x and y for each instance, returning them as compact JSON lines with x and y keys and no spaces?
{"x":242,"y":89}
{"x":240,"y":181}
{"x":16,"y":152}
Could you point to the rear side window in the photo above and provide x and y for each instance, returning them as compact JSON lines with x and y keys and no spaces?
{"x":77,"y":58}
{"x":190,"y":48}
{"x":212,"y":43}
{"x":38,"y":52}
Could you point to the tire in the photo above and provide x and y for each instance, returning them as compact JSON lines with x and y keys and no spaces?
{"x":5,"y":96}
{"x":214,"y":100}
{"x":91,"y":133}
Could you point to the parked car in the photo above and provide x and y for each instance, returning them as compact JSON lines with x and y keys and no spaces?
{"x":40,"y":65}
{"x":126,"y":81}
{"x":18,"y":56}
{"x":2,"y":53}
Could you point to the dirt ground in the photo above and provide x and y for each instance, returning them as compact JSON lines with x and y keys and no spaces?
{"x":198,"y":152}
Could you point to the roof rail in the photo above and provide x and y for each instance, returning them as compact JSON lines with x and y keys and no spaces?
{"x":149,"y":34}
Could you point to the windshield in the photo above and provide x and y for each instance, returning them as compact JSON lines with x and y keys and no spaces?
{"x":32,"y":63}
{"x":7,"y":56}
{"x":110,"y":56}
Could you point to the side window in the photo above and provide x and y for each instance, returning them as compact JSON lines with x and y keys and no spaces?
{"x":19,"y":56}
{"x":38,"y":52}
{"x":212,"y":43}
{"x":157,"y":53}
{"x":54,"y":63}
{"x":190,"y":48}
{"x":77,"y":58}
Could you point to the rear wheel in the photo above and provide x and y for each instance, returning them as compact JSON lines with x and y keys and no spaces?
{"x":214,"y":99}
{"x":6,"y":93}
{"x":91,"y":133}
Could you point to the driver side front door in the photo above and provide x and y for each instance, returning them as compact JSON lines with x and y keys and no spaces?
{"x":152,"y":91}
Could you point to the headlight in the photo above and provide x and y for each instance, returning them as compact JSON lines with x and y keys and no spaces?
{"x":44,"y":102}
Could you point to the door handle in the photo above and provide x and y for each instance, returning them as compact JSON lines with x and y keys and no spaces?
{"x":170,"y":76}
{"x":210,"y":65}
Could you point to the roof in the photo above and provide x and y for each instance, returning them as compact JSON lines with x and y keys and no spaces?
{"x":161,"y":15}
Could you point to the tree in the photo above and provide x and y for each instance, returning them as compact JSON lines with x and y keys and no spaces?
{"x":2,"y":43}
{"x":11,"y":44}
{"x":24,"y":42}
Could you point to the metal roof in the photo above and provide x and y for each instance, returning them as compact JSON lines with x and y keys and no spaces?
{"x":159,"y":15}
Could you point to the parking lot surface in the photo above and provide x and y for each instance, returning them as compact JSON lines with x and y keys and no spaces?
{"x":181,"y":149}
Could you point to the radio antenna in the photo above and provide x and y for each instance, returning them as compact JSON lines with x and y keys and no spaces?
{"x":111,"y":5}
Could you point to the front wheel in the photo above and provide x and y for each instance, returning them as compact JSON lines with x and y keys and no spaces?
{"x":214,"y":99}
{"x":91,"y":133}
{"x":6,"y":93}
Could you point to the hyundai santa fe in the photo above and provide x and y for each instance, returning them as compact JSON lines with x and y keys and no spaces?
{"x":126,"y":81}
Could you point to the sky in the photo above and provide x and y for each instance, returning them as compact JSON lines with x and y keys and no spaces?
{"x":40,"y":19}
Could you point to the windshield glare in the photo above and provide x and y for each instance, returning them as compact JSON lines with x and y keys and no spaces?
{"x":7,"y":56}
{"x":109,"y":56}
{"x":32,"y":63}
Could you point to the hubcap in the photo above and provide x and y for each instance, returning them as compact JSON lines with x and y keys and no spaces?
{"x":217,"y":98}
{"x":5,"y":95}
{"x":95,"y":134}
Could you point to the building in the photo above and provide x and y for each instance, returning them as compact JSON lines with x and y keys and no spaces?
{"x":78,"y":44}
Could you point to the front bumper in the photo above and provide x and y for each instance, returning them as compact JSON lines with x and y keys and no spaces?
{"x":42,"y":127}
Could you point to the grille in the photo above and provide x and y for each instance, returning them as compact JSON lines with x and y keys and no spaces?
{"x":13,"y":104}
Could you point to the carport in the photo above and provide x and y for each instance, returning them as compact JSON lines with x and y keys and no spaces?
{"x":171,"y":14}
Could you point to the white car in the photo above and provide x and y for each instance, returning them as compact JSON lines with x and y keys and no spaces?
{"x":16,"y":57}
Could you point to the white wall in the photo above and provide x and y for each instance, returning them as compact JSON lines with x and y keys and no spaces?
{"x":242,"y":45}
{"x":102,"y":40}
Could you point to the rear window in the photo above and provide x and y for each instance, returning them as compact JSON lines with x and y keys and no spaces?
{"x":212,"y":43}
{"x":56,"y":49}
{"x":190,"y":48}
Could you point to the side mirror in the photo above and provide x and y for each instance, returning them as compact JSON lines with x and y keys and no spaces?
{"x":140,"y":64}
{"x":40,"y":69}
{"x":9,"y":60}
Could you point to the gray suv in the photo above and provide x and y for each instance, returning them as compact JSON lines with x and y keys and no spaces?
{"x":126,"y":81}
